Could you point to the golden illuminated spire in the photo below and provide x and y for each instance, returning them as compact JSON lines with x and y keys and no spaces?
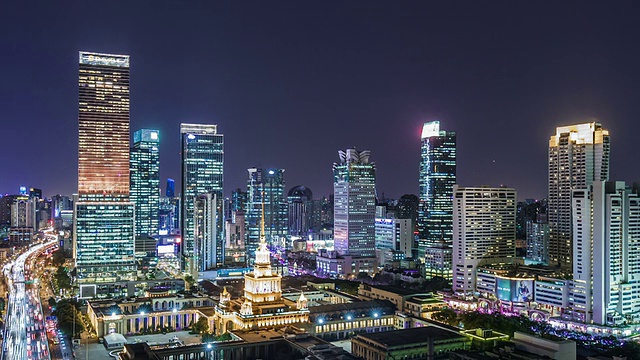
{"x":262,"y":236}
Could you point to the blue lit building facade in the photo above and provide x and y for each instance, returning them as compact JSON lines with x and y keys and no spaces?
{"x":145,"y":180}
{"x":435,"y":211}
{"x":202,"y":173}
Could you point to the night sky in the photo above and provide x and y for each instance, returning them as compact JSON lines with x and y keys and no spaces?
{"x":291,"y":83}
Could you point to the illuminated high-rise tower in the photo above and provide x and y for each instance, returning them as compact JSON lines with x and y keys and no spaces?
{"x":578,"y":156}
{"x":435,"y":210}
{"x":354,"y":189}
{"x":145,"y":180}
{"x":104,"y":221}
{"x":484,"y":232}
{"x":265,"y":202}
{"x":202,"y":173}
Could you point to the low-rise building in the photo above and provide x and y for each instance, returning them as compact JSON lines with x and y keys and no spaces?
{"x":342,"y":266}
{"x":417,"y":343}
{"x":339,"y":321}
{"x":289,"y":343}
{"x":559,"y":350}
{"x":136,"y":315}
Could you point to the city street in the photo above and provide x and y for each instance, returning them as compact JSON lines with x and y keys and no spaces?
{"x":24,"y":334}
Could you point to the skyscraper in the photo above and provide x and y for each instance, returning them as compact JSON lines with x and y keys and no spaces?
{"x":208,"y":251}
{"x":265,"y":185}
{"x":354,"y":187}
{"x":435,"y":212}
{"x":300,"y":200}
{"x":104,"y":221}
{"x":145,"y":180}
{"x":606,"y":268}
{"x":578,"y":156}
{"x":202,"y":173}
{"x":484,"y":232}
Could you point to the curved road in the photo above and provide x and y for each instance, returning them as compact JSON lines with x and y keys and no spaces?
{"x":24,"y":334}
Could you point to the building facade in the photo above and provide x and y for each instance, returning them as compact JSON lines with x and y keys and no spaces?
{"x":354,"y":186}
{"x":484,"y":232}
{"x":578,"y":156}
{"x":144,"y":167}
{"x":435,"y":212}
{"x":262,"y":305}
{"x":202,"y":173}
{"x":300,"y":201}
{"x":265,"y":190}
{"x":208,"y":251}
{"x":104,"y":216}
{"x":606,"y":269}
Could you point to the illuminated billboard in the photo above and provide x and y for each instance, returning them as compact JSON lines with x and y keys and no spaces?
{"x":516,"y":290}
{"x":165,"y":250}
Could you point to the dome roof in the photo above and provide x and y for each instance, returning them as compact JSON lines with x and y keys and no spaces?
{"x":300,"y":191}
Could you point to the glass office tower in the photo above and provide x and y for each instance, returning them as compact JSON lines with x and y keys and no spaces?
{"x":354,"y":191}
{"x":104,"y":221}
{"x":270,"y":183}
{"x":145,"y":180}
{"x":202,"y":173}
{"x":435,"y":211}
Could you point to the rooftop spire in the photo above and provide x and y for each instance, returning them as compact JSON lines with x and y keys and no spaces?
{"x":262,"y":235}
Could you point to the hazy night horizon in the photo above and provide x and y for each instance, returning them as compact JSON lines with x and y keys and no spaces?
{"x":290,"y":84}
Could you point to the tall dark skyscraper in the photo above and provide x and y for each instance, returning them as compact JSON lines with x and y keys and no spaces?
{"x":354,"y":189}
{"x":435,"y":213}
{"x":270,"y":183}
{"x":104,"y":221}
{"x":202,"y":173}
{"x":300,"y":200}
{"x":578,"y":156}
{"x":145,"y":180}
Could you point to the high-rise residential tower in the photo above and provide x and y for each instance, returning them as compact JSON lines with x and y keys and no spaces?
{"x":265,"y":186}
{"x":435,"y":211}
{"x":578,"y":156}
{"x":104,"y":221}
{"x":202,"y":173}
{"x":354,"y":187}
{"x":606,"y":247}
{"x":145,"y":180}
{"x":484,"y":232}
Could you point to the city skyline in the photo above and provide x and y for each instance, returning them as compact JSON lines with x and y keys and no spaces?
{"x":516,"y":85}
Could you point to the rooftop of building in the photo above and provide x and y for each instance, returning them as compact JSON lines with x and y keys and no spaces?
{"x":354,"y":306}
{"x":409,"y":336}
{"x":393,"y":289}
{"x":425,"y":299}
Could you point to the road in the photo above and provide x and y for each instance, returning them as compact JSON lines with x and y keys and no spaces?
{"x":24,"y":334}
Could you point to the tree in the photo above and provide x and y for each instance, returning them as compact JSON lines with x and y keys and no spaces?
{"x":201,"y":326}
{"x":363,"y":276}
{"x":446,"y":316}
{"x":60,"y":256}
{"x":68,"y":315}
{"x":62,"y":278}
